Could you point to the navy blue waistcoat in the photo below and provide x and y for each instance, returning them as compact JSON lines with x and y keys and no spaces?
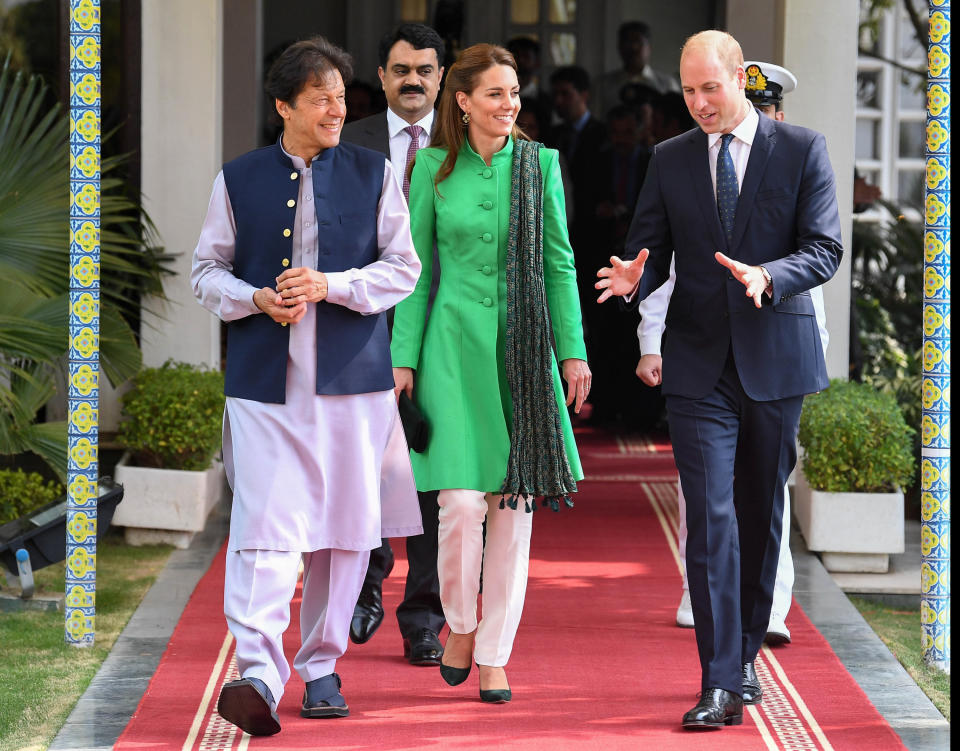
{"x":353,"y":350}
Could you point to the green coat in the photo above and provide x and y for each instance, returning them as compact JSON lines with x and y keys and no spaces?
{"x":460,"y":381}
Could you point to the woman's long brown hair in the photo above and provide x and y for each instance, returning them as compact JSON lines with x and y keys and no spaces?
{"x":462,"y":76}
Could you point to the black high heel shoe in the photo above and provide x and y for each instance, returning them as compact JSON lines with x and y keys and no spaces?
{"x":453,"y":676}
{"x":495,"y":695}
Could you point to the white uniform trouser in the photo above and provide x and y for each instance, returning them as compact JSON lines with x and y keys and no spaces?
{"x":258,"y":587}
{"x":504,"y":562}
{"x":782,"y":588}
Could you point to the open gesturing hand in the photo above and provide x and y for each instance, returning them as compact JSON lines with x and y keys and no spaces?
{"x":750,"y":277}
{"x":620,"y":277}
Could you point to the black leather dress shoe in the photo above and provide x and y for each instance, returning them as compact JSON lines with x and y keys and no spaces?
{"x":246,"y":705}
{"x":715,"y":709}
{"x":752,"y":693}
{"x":424,"y":648}
{"x":367,"y":615}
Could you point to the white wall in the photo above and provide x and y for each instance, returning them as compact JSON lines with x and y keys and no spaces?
{"x":181,"y":153}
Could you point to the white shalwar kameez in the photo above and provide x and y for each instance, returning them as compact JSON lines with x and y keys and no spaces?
{"x":318,"y":477}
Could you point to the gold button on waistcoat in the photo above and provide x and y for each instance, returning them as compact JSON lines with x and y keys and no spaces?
{"x":286,"y":233}
{"x":291,"y":203}
{"x":294,"y":175}
{"x":285,"y":262}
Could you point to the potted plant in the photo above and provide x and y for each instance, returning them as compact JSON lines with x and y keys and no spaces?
{"x":171,"y":423}
{"x":856,"y":459}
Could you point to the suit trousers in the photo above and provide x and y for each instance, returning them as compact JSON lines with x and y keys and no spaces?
{"x":502,"y":561}
{"x":421,"y":606}
{"x":258,"y":588}
{"x":734,"y":456}
{"x":783,"y":588}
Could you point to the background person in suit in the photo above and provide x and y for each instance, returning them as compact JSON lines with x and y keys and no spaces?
{"x":582,"y":140}
{"x":765,"y":87}
{"x":410,"y":72}
{"x":633,"y":44}
{"x":735,"y":366}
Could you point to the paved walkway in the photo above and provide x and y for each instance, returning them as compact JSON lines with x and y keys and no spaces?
{"x":106,"y":707}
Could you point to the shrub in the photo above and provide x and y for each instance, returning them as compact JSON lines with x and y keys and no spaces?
{"x":22,"y":492}
{"x":172,"y":416}
{"x":855,"y":439}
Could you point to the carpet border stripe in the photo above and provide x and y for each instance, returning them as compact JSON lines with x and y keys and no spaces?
{"x":654,"y":491}
{"x":212,"y":683}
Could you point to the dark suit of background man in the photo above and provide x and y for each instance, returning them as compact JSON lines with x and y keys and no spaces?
{"x":735,"y":366}
{"x":410,"y":73}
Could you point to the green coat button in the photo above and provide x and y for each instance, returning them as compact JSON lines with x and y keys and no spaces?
{"x":487,"y":302}
{"x":487,"y":237}
{"x":488,"y":173}
{"x":486,"y":270}
{"x":487,"y":205}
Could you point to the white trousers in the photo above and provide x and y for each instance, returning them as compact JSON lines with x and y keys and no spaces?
{"x":504,"y":561}
{"x":258,"y":588}
{"x":782,"y":588}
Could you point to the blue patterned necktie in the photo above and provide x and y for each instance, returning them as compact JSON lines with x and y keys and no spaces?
{"x":727,"y":188}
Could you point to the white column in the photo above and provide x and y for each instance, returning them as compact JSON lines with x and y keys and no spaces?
{"x":181,"y":153}
{"x":817,"y":41}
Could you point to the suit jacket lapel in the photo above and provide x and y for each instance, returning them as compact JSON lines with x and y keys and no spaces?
{"x":381,"y":133}
{"x":760,"y":152}
{"x":699,"y":164}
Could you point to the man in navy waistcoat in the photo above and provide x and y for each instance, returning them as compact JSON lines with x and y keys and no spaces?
{"x":305,"y":245}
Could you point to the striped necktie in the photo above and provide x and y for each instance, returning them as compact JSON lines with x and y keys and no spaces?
{"x":728,"y":191}
{"x":414,"y":132}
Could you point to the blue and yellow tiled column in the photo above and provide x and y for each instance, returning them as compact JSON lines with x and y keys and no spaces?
{"x":84,"y":358}
{"x":935,"y":451}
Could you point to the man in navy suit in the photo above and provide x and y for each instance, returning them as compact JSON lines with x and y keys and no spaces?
{"x":410,"y":71}
{"x":745,"y":204}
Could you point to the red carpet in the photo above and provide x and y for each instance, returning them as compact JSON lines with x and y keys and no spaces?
{"x":598,"y":663}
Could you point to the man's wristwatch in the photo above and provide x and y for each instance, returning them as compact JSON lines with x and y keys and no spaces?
{"x":768,"y":278}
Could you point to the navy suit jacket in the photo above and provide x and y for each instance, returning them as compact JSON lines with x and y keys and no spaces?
{"x":786,"y":220}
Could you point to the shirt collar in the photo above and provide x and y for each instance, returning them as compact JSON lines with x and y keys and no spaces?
{"x":581,"y":123}
{"x":396,"y":124}
{"x":745,"y":132}
{"x":298,"y":161}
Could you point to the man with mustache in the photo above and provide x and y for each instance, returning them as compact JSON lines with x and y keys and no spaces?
{"x":410,"y":72}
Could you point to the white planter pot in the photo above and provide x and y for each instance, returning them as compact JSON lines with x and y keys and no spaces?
{"x":854,"y":532}
{"x":166,"y":505}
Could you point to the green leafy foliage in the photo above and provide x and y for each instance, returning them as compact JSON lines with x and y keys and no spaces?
{"x":173,"y":416}
{"x":22,"y":492}
{"x":35,"y":267}
{"x":855,"y":439}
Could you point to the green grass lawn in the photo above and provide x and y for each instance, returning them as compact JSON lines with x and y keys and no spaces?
{"x":41,"y":677}
{"x":899,"y":629}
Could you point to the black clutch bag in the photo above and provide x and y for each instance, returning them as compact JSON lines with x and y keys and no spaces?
{"x":414,"y":424}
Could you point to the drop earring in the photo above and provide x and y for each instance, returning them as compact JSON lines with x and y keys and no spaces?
{"x":466,"y":118}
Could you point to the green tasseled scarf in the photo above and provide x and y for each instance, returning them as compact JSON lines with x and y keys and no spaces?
{"x":538,"y":462}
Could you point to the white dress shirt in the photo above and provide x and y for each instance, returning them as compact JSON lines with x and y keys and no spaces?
{"x":743,"y":136}
{"x":400,"y":140}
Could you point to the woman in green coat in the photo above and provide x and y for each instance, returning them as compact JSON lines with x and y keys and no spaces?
{"x":482,"y":368}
